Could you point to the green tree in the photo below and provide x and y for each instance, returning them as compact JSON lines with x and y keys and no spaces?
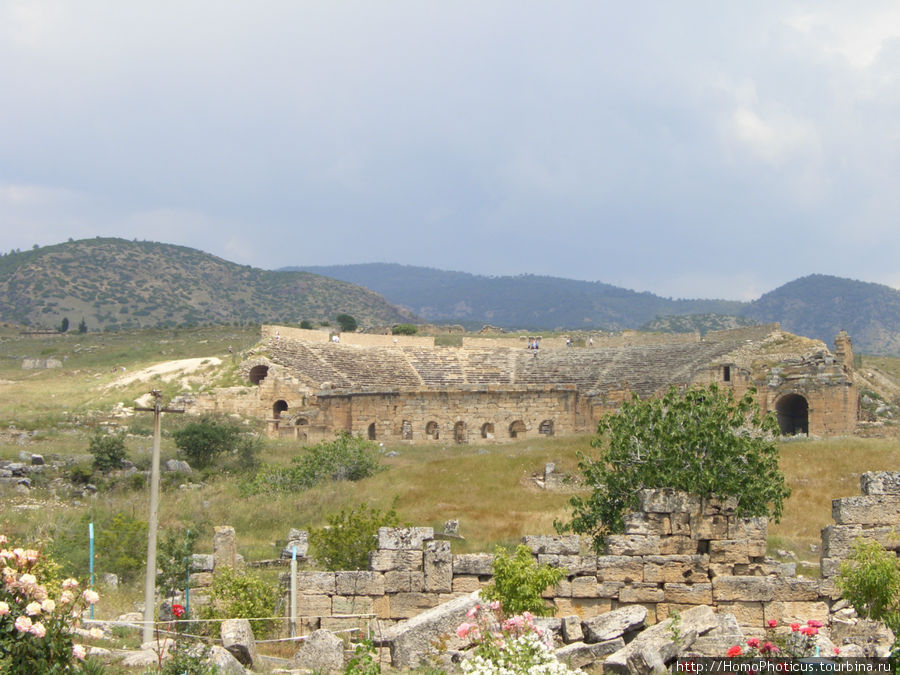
{"x":108,"y":450}
{"x":241,"y":594}
{"x":306,"y":324}
{"x":173,"y":560}
{"x":702,"y":441}
{"x":404,"y":329}
{"x":346,"y":322}
{"x":64,"y":325}
{"x":345,"y":543}
{"x":519,"y":582}
{"x":204,"y":440}
{"x":122,"y":546}
{"x":82,"y":326}
{"x":870,"y":581}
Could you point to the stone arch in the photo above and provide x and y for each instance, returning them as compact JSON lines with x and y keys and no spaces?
{"x":546,"y":428}
{"x":432,"y":431}
{"x":258,"y":374}
{"x":280,"y":406}
{"x":371,"y":431}
{"x":459,"y":432}
{"x":301,"y":422}
{"x":517,"y":429}
{"x":487,"y":430}
{"x":792,"y":411}
{"x":406,"y":430}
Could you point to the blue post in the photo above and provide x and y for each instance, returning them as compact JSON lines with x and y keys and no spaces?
{"x":91,"y":538}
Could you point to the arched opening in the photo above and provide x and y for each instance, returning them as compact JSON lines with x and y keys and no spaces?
{"x":279,"y":407}
{"x":793,"y":415}
{"x":546,"y":428}
{"x":258,"y":374}
{"x":372,"y":431}
{"x":301,"y":422}
{"x":432,"y":431}
{"x":459,"y":432}
{"x":517,"y":429}
{"x":406,"y":430}
{"x":487,"y":430}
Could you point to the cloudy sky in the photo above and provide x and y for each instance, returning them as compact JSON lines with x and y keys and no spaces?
{"x":693,"y":149}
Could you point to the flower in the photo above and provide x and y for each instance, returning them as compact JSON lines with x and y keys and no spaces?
{"x":23,"y":624}
{"x":69,"y":584}
{"x":463,"y":630}
{"x":472,"y":612}
{"x":772,"y":623}
{"x":768,"y":648}
{"x":809,"y":630}
{"x":753,"y":642}
{"x":837,"y":651}
{"x":66,"y":597}
{"x":795,"y":627}
{"x":38,"y":630}
{"x":4,"y":609}
{"x":178,"y":611}
{"x":79,"y":652}
{"x":33,"y":608}
{"x":27,"y":579}
{"x":96,"y":633}
{"x":48,"y":606}
{"x":90,"y":597}
{"x":814,"y":623}
{"x":733,"y":651}
{"x":495,"y":605}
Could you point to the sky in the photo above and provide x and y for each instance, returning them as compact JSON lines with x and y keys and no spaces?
{"x":691,"y":149}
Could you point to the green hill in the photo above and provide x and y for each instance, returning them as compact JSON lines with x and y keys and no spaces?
{"x":118,"y":284}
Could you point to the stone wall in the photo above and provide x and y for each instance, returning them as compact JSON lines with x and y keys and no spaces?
{"x":371,"y":340}
{"x":269,"y":332}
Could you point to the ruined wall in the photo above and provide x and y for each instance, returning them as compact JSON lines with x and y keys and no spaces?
{"x":371,"y":340}
{"x":288,"y":333}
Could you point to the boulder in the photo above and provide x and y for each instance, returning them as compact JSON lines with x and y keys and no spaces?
{"x":177,"y":466}
{"x":237,"y":638}
{"x":224,"y":661}
{"x":581,"y":654}
{"x":614,"y":624}
{"x":322,"y":651}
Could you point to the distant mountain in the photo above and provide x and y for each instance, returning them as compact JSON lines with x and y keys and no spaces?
{"x":700,"y":323}
{"x":117,"y":284}
{"x":816,"y":306}
{"x":526,"y":301}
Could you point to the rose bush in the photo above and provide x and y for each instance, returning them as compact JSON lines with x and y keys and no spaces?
{"x":37,"y":614}
{"x":799,"y":643}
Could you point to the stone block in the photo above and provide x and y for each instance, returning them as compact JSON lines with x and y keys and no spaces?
{"x":480,"y":564}
{"x":688,"y":594}
{"x":709,"y":527}
{"x":322,"y":652}
{"x":582,"y":655}
{"x":237,"y":638}
{"x":719,"y":507}
{"x":619,"y":568}
{"x":680,"y":524}
{"x":313,"y":605}
{"x":637,"y":593}
{"x":755,"y":528}
{"x":340,"y":623}
{"x":381,"y":606}
{"x":404,"y":538}
{"x":201,"y":579}
{"x":387,"y":560}
{"x":224,"y":547}
{"x":438,"y":564}
{"x":202,"y":562}
{"x":352,"y":604}
{"x":792,"y":589}
{"x":568,"y":544}
{"x":631,"y":545}
{"x":638,"y":522}
{"x":359,"y":583}
{"x":466,"y":584}
{"x":667,"y":500}
{"x":582,"y":607}
{"x":721,"y":570}
{"x":584,"y":587}
{"x":579,"y":565}
{"x":617,"y":623}
{"x":742,"y":589}
{"x":313,"y":583}
{"x":866,"y":510}
{"x":880,"y":483}
{"x":562,"y":590}
{"x":404,"y":581}
{"x":408,"y":605}
{"x":830,"y":566}
{"x":746,"y":613}
{"x":796,"y":612}
{"x":664,"y":610}
{"x":677,"y":545}
{"x":676,"y":568}
{"x":729,"y":551}
{"x":571,"y":628}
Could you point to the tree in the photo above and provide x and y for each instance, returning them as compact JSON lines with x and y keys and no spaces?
{"x":870,"y":581}
{"x":64,"y":325}
{"x":204,"y":440}
{"x":82,"y":327}
{"x":345,"y":543}
{"x":306,"y":324}
{"x":404,"y":329}
{"x":346,"y":322}
{"x":108,"y":450}
{"x":701,"y":441}
{"x":519,"y":582}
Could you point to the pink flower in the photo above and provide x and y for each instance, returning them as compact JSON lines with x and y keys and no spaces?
{"x":837,"y":650}
{"x":795,"y":627}
{"x":733,"y":651}
{"x":69,"y":584}
{"x":90,"y":597}
{"x":768,"y":648}
{"x":4,"y":609}
{"x":23,"y":624}
{"x":38,"y":630}
{"x":772,"y":623}
{"x":33,"y":608}
{"x":815,"y":623}
{"x":463,"y":630}
{"x":753,"y":642}
{"x":472,"y":612}
{"x":809,"y":631}
{"x":79,"y":652}
{"x":495,"y":605}
{"x":27,"y":580}
{"x":3,"y":539}
{"x":178,"y":611}
{"x":66,"y":597}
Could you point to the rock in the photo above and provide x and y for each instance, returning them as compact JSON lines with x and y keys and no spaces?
{"x":322,"y":651}
{"x":404,"y":538}
{"x":298,"y":539}
{"x":140,"y":659}
{"x":480,"y":564}
{"x":224,"y":661}
{"x":880,"y":483}
{"x":614,"y":624}
{"x":37,"y":460}
{"x":109,"y":580}
{"x":866,"y":510}
{"x":873,"y":637}
{"x":410,"y":640}
{"x":237,"y":638}
{"x":569,"y":544}
{"x":177,"y":466}
{"x":662,"y":643}
{"x":580,"y":654}
{"x":717,"y":641}
{"x":571,"y":629}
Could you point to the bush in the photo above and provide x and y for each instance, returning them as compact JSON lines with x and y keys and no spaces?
{"x":345,"y":458}
{"x":173,"y":560}
{"x":108,"y":450}
{"x":870,"y":581}
{"x":38,"y":615}
{"x":202,"y":441}
{"x":306,"y":324}
{"x":519,"y":582}
{"x":350,"y":535}
{"x":242,"y":595}
{"x":404,"y":329}
{"x":701,"y":441}
{"x":122,"y":547}
{"x":346,"y":322}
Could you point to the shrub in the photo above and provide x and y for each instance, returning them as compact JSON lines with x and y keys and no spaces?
{"x":701,"y":441}
{"x":404,"y":329}
{"x":108,"y":450}
{"x":346,"y":322}
{"x":38,"y":615}
{"x":306,"y":324}
{"x":202,"y":441}
{"x":519,"y":581}
{"x":173,"y":560}
{"x":240,"y":594}
{"x":350,"y":535}
{"x":870,"y":581}
{"x":122,"y":546}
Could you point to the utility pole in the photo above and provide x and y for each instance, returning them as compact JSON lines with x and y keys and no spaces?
{"x":153,"y":523}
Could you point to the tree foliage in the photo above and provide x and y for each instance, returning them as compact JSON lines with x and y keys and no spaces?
{"x":345,"y":543}
{"x":173,"y":560}
{"x":870,"y":581}
{"x":202,"y":441}
{"x":404,"y":329}
{"x":346,"y":322}
{"x":702,"y":441}
{"x":519,"y":582}
{"x":108,"y":450}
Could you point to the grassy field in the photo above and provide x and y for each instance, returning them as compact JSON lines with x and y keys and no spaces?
{"x":487,"y":488}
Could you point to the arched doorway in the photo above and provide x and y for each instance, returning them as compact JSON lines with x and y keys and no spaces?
{"x":459,"y":432}
{"x":546,"y":428}
{"x":279,"y":407}
{"x":487,"y":430}
{"x":793,"y":414}
{"x":432,"y":431}
{"x":372,"y":431}
{"x":258,"y":374}
{"x":517,"y":429}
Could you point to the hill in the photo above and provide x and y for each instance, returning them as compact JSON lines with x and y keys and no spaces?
{"x":816,"y":306}
{"x":118,"y":284}
{"x":526,"y":301}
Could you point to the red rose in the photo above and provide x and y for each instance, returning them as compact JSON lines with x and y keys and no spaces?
{"x":772,"y":623}
{"x":795,"y":627}
{"x":178,"y":611}
{"x":733,"y":651}
{"x":753,"y":642}
{"x":815,"y":623}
